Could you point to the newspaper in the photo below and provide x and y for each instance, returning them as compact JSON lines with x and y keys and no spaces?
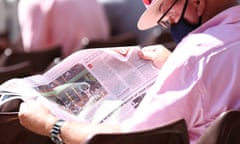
{"x":93,"y":85}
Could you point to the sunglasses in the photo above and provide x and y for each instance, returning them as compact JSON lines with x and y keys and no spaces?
{"x":161,"y":22}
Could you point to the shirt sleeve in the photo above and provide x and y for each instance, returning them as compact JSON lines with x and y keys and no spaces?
{"x":177,"y":94}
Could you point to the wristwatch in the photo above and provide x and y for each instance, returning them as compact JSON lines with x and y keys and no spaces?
{"x":56,"y":131}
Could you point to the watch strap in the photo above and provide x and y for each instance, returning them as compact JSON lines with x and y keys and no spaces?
{"x":56,"y":131}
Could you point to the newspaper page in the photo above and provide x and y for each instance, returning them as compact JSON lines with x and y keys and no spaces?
{"x":94,"y":85}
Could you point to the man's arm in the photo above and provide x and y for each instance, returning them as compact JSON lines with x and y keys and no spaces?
{"x":39,"y":119}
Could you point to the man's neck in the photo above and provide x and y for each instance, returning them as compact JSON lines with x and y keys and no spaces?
{"x":213,"y":7}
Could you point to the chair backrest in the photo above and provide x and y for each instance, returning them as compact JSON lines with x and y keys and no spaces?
{"x":164,"y":38}
{"x":15,"y":71}
{"x":224,"y":130}
{"x":174,"y":133}
{"x":125,"y":39}
{"x":39,"y":60}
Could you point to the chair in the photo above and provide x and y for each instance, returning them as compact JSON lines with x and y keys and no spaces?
{"x":4,"y":41}
{"x":173,"y":133}
{"x":164,"y":37}
{"x":39,"y":60}
{"x":15,"y":71}
{"x":12,"y":132}
{"x":125,"y":39}
{"x":224,"y":130}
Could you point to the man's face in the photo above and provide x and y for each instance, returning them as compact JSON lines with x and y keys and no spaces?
{"x":166,"y":8}
{"x":171,"y":11}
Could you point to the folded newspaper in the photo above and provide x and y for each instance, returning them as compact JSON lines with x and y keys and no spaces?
{"x":94,"y":85}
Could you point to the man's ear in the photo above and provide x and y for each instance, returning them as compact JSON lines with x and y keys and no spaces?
{"x":200,"y":6}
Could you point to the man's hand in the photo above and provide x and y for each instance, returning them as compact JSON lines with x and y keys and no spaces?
{"x":35,"y":117}
{"x":158,"y":54}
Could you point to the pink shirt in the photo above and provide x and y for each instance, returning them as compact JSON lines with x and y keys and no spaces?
{"x":45,"y":23}
{"x":200,"y":80}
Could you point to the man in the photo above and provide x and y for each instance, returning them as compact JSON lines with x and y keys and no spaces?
{"x":3,"y":17}
{"x":198,"y":82}
{"x":3,"y":26}
{"x":46,"y":24}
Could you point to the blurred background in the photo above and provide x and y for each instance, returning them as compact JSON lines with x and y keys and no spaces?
{"x":37,"y":34}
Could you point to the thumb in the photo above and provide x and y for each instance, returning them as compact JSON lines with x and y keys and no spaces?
{"x":23,"y":110}
{"x":23,"y":107}
{"x":147,"y":55}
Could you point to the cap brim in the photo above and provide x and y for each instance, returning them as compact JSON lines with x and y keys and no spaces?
{"x":150,"y":16}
